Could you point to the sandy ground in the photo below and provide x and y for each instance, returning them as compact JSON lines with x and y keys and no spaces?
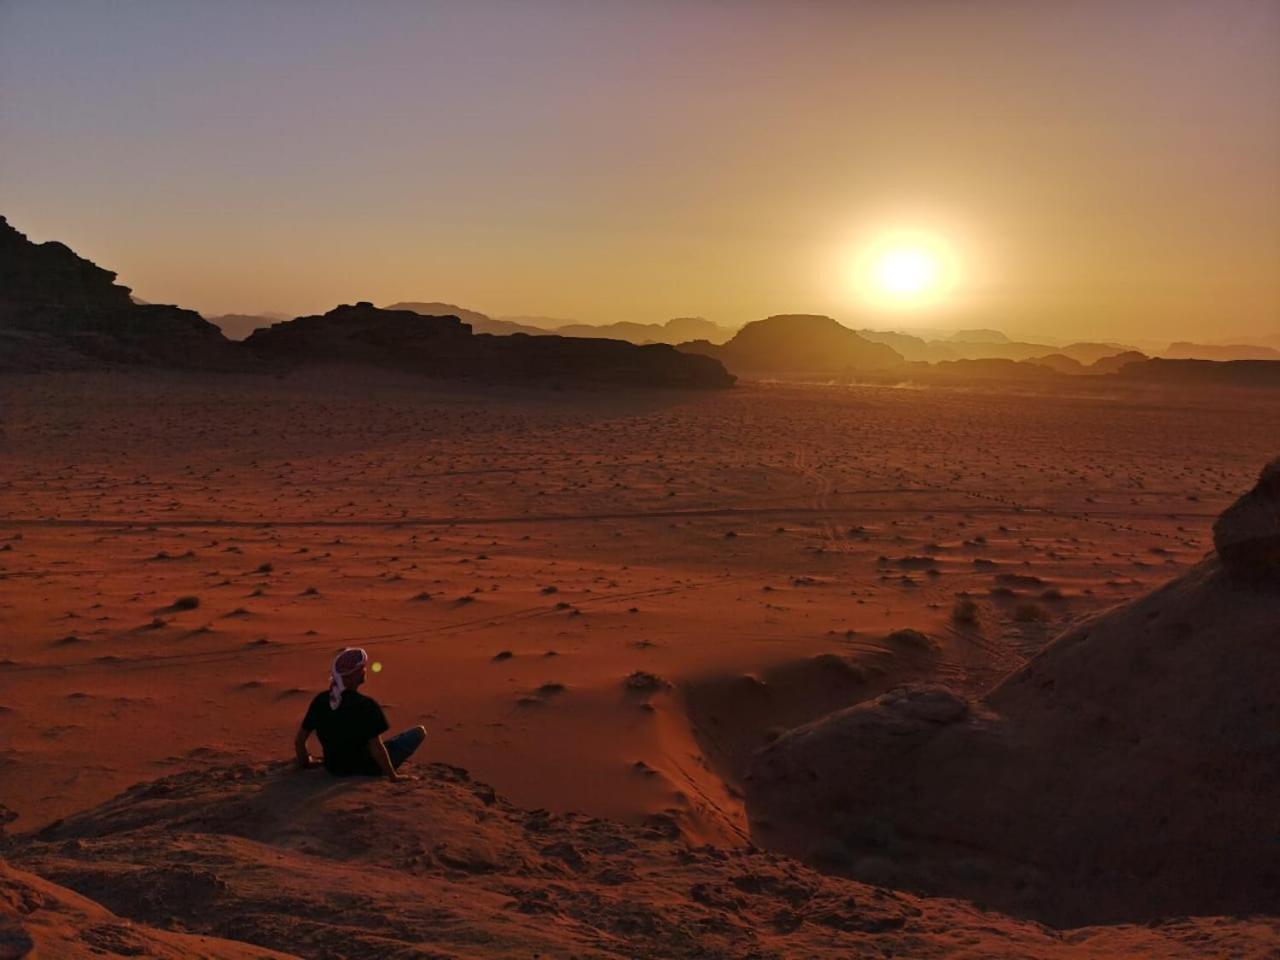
{"x":601,"y":604}
{"x":595,"y":602}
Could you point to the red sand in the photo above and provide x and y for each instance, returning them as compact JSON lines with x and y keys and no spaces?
{"x":717,"y":542}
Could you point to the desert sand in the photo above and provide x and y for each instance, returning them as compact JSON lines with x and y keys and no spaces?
{"x":601,"y":605}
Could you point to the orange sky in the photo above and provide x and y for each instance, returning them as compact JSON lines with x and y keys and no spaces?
{"x":1100,"y":169}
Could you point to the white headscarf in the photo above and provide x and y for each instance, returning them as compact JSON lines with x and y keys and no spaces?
{"x":347,"y":662}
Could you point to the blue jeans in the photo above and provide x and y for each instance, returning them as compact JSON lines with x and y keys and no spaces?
{"x":400,"y":747}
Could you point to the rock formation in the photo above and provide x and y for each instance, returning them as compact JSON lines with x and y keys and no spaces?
{"x":799,"y":345}
{"x":1128,"y":772}
{"x":41,"y":919}
{"x":445,"y":346}
{"x":1116,"y":362}
{"x":479,"y":322}
{"x":675,"y":330}
{"x":443,"y":866}
{"x":911,"y":348}
{"x":1228,"y":373}
{"x":1247,"y":534}
{"x":57,"y":308}
{"x":1089,"y":353}
{"x":1060,"y":363}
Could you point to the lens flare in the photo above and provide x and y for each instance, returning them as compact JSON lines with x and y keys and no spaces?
{"x":376,"y":667}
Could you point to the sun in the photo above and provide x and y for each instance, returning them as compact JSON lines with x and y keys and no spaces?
{"x":905,"y":269}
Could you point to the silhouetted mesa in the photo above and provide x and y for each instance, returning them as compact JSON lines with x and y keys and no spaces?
{"x":57,"y":309}
{"x":1128,"y":772}
{"x":446,"y":347}
{"x":799,"y":345}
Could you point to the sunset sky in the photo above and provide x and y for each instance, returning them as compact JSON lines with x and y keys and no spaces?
{"x":1091,"y":169}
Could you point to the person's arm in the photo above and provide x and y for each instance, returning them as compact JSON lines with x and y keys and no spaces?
{"x":378,"y":750}
{"x":305,"y":759}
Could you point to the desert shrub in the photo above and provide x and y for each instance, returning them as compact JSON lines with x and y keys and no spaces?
{"x":965,"y":611}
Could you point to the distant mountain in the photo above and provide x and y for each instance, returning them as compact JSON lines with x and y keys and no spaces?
{"x":1060,"y":363}
{"x":676,"y":330}
{"x":540,"y":322}
{"x":1110,"y":363}
{"x":672,"y":331}
{"x":988,"y":368}
{"x":59,"y":309}
{"x":1116,"y":363}
{"x":911,"y":347}
{"x":237,"y":326}
{"x":799,"y":345}
{"x":1183,"y":350}
{"x":480,"y":323}
{"x":980,"y":336}
{"x":988,"y":345}
{"x":445,"y":346}
{"x":1088,"y":353}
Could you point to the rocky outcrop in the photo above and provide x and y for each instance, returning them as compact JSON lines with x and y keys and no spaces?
{"x":1229,"y":373}
{"x":1116,"y":363}
{"x":445,"y":346}
{"x":1128,"y":772}
{"x":1247,"y":534}
{"x":58,"y":309}
{"x":444,"y":866}
{"x":1060,"y":363}
{"x":799,"y":346}
{"x":42,"y":919}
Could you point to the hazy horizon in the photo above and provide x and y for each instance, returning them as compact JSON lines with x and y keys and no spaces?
{"x":1103,"y":171}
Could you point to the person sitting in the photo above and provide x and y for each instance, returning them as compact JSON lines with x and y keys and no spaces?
{"x":350,"y":725}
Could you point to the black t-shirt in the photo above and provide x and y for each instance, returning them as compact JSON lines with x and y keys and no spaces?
{"x":345,"y":733}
